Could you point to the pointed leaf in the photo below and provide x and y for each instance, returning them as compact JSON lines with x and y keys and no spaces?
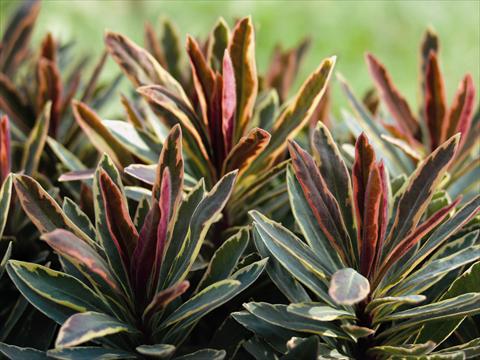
{"x":5,"y":152}
{"x":5,"y":198}
{"x":157,"y":351}
{"x":242,"y":53}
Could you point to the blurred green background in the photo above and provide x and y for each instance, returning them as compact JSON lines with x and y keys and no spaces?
{"x":390,"y":29}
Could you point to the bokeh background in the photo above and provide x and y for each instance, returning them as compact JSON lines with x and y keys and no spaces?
{"x":391,"y":30}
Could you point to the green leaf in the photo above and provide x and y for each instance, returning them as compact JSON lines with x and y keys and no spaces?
{"x":87,"y":326}
{"x":206,"y":213}
{"x":319,"y":312}
{"x":348,"y":287}
{"x":204,"y":354}
{"x":5,"y":197}
{"x":292,"y":254}
{"x":157,"y":351}
{"x":5,"y":258}
{"x":278,"y":315}
{"x":276,"y":336}
{"x":296,"y":115}
{"x":431,"y":273}
{"x":286,"y":283}
{"x":468,"y":282}
{"x":66,"y":157}
{"x":204,"y":302}
{"x":20,"y":353}
{"x":308,"y":224}
{"x":33,"y":148}
{"x":114,"y":259}
{"x":88,"y":353}
{"x":405,"y":350}
{"x":130,"y":138}
{"x":226,"y":258}
{"x":56,"y":294}
{"x":79,"y":218}
{"x":463,"y":305}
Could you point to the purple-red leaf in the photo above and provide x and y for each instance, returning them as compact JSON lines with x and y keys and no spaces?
{"x":165,"y":297}
{"x":5,"y":156}
{"x":148,"y":254}
{"x":322,"y":203}
{"x":395,"y":101}
{"x":435,"y":102}
{"x":171,"y":157}
{"x":120,"y":225}
{"x":362,"y":167}
{"x":407,"y":243}
{"x":246,"y":150}
{"x":461,"y":112}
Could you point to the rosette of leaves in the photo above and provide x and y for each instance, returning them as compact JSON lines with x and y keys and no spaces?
{"x":226,"y":125}
{"x":124,"y":291}
{"x":36,"y":90}
{"x":372,"y":274}
{"x":405,"y":138}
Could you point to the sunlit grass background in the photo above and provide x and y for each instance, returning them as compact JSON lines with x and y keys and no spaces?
{"x":390,"y":29}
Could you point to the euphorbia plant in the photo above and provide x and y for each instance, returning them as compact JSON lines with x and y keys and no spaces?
{"x":125,"y":283}
{"x":369,"y":277}
{"x":217,"y":114}
{"x":407,"y":137}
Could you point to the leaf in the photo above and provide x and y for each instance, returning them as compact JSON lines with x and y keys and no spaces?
{"x":140,"y":66}
{"x":460,"y":115}
{"x":79,"y":218}
{"x":309,"y":226}
{"x":88,"y":326}
{"x":285,"y":282}
{"x":89,"y":352}
{"x":278,"y":315}
{"x":100,"y":136}
{"x":468,"y":282}
{"x":319,"y":312}
{"x":204,"y":302}
{"x":55,"y":294}
{"x":467,"y":304}
{"x":22,"y":353}
{"x":414,"y":200}
{"x":307,"y":349}
{"x":405,"y":350}
{"x":292,"y":254}
{"x":108,"y":243}
{"x":225,"y":258}
{"x":5,"y":153}
{"x":204,"y":354}
{"x":435,"y":102}
{"x":5,"y":198}
{"x":84,"y":258}
{"x":299,"y":111}
{"x":66,"y":157}
{"x":228,"y":102}
{"x":171,"y":157}
{"x":246,"y":150}
{"x":395,"y":102}
{"x":49,"y":90}
{"x":334,"y":171}
{"x":36,"y":141}
{"x":132,"y":140}
{"x":120,"y":225}
{"x":242,"y":53}
{"x":152,"y":241}
{"x":165,"y":297}
{"x":322,"y":202}
{"x":429,"y":274}
{"x":348,"y":287}
{"x":16,"y":36}
{"x":157,"y":351}
{"x":206,"y":213}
